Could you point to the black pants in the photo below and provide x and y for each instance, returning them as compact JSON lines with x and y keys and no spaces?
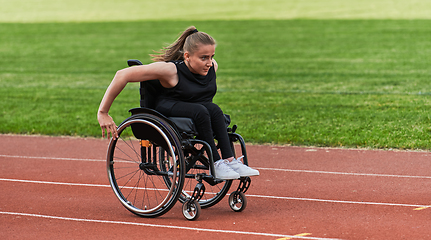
{"x":209,"y":121}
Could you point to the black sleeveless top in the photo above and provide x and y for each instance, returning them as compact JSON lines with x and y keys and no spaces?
{"x":193,"y":88}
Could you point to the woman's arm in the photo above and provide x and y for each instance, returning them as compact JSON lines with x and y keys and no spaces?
{"x":165,"y":72}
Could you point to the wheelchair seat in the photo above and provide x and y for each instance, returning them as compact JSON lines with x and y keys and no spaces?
{"x":184,"y":125}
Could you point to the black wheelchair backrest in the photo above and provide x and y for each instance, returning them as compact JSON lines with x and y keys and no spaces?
{"x":149,"y":90}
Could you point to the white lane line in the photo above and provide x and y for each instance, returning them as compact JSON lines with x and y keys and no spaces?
{"x":340,"y":201}
{"x":259,"y":168}
{"x":344,"y":173}
{"x":248,"y":195}
{"x":53,"y":158}
{"x":161,"y":226}
{"x":54,"y":183}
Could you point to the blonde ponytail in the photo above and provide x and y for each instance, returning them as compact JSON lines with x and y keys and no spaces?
{"x":187,"y":42}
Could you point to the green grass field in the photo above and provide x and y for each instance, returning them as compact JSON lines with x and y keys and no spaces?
{"x":300,"y":73}
{"x":131,"y":10}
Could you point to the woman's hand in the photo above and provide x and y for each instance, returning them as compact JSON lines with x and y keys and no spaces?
{"x":107,"y":125}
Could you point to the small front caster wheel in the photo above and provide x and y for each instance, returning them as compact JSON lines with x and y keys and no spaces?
{"x":191,"y":210}
{"x":237,"y":201}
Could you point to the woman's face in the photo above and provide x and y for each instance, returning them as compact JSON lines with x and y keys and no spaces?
{"x":200,"y":61}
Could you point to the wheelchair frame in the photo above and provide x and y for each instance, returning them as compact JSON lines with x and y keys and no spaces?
{"x":153,"y":163}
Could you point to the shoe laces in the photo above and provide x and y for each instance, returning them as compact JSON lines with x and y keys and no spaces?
{"x":237,"y":160}
{"x":222,"y":164}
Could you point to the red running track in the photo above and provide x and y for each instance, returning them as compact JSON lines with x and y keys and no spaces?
{"x":57,"y":188}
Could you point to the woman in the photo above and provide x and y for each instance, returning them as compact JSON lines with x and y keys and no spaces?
{"x":186,"y":69}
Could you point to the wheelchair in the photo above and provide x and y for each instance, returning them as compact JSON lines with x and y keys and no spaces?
{"x":158,"y":160}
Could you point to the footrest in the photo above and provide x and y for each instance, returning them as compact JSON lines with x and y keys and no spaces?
{"x":244,"y":184}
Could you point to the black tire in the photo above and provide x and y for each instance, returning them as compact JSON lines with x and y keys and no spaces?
{"x":237,"y":201}
{"x":191,"y":210}
{"x":136,"y":172}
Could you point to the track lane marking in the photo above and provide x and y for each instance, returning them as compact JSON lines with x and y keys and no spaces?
{"x":344,"y":173}
{"x":248,"y":195}
{"x":422,"y":208}
{"x":54,"y":183}
{"x":295,"y":236}
{"x":160,"y":226}
{"x":53,"y":158}
{"x":259,"y":168}
{"x":340,"y":201}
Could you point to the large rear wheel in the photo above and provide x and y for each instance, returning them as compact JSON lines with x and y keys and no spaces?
{"x":137,"y":172}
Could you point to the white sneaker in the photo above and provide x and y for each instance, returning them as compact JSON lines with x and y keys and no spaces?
{"x":223,"y":171}
{"x":243,"y":170}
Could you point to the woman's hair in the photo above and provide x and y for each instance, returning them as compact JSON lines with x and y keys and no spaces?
{"x":187,"y":42}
